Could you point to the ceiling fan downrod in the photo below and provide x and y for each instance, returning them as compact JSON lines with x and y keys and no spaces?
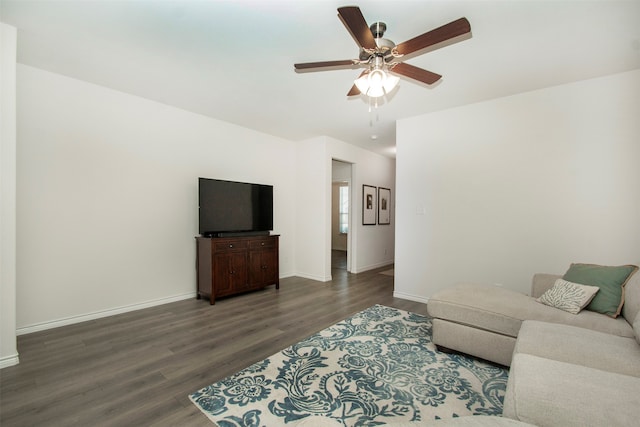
{"x":378,"y":29}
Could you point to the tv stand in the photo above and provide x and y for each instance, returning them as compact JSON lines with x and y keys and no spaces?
{"x":231,"y":265}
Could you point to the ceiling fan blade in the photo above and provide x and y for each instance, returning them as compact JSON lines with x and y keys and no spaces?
{"x":354,"y":89}
{"x":324,"y":64}
{"x":354,"y":21}
{"x":416,"y":73}
{"x":433,"y":37}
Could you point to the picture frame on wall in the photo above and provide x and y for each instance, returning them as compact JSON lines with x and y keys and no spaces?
{"x":384,"y":206}
{"x":368,"y":205}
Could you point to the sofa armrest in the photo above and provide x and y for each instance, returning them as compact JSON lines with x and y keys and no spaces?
{"x":541,"y":282}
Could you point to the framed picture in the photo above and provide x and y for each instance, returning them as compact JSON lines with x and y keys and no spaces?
{"x":384,"y":206}
{"x":368,"y":205}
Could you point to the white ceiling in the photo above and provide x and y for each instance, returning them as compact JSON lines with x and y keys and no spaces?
{"x":233,"y":60}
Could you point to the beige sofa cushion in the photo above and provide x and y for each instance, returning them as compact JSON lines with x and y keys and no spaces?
{"x":502,"y":311}
{"x":579,"y":346}
{"x":541,"y":282}
{"x":546,"y":392}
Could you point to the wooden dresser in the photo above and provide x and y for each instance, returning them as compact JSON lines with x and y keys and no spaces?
{"x":232,"y":265}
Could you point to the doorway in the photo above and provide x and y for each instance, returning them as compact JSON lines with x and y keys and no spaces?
{"x":340,"y":216}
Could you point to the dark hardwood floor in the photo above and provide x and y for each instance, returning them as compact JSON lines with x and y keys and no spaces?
{"x":138,"y":368}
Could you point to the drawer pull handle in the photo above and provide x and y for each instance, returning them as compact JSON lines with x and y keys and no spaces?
{"x":230,"y":246}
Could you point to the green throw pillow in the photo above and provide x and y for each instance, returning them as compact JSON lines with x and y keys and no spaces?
{"x":609,"y":279}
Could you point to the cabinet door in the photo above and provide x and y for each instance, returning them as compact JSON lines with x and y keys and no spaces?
{"x":230,"y":273}
{"x":262,"y":269}
{"x":269,"y":260}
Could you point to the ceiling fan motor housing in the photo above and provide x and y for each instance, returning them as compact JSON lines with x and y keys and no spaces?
{"x":378,"y":29}
{"x":384,"y":46}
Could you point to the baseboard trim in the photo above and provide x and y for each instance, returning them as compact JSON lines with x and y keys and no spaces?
{"x":100,"y":314}
{"x":286,"y":275}
{"x":7,"y":361}
{"x":373,"y":266}
{"x":410,"y":297}
{"x":313,"y":277}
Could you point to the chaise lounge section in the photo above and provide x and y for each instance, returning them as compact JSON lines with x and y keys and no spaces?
{"x":484,"y":321}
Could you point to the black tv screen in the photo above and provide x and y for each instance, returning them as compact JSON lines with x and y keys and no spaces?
{"x":234,"y":207}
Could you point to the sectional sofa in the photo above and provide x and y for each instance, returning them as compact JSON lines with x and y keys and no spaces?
{"x":574,"y":359}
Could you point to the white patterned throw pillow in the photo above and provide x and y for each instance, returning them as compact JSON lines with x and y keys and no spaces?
{"x":568,"y":296}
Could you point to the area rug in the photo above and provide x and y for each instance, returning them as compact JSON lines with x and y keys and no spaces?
{"x":376,"y":367}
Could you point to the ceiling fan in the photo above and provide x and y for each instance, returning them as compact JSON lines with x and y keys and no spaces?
{"x":382,"y":58}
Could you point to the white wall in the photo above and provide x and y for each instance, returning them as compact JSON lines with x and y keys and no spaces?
{"x":8,"y":348}
{"x":373,"y":245}
{"x":496,"y":191}
{"x":107,"y":197}
{"x":340,"y":171}
{"x":311,"y":176}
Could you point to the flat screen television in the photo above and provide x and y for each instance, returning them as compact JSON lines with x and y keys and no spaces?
{"x":229,"y":208}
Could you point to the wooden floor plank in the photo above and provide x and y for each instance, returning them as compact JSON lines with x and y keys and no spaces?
{"x":138,"y":368}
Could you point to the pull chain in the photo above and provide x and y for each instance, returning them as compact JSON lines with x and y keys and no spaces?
{"x":371,"y":111}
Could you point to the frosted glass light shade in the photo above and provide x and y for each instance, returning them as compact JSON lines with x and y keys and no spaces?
{"x":376,"y":83}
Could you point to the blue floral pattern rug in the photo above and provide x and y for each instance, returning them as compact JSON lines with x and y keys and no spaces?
{"x":363,"y":371}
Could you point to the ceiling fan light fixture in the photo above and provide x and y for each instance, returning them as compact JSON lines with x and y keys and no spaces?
{"x":376,"y":83}
{"x":390,"y":83}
